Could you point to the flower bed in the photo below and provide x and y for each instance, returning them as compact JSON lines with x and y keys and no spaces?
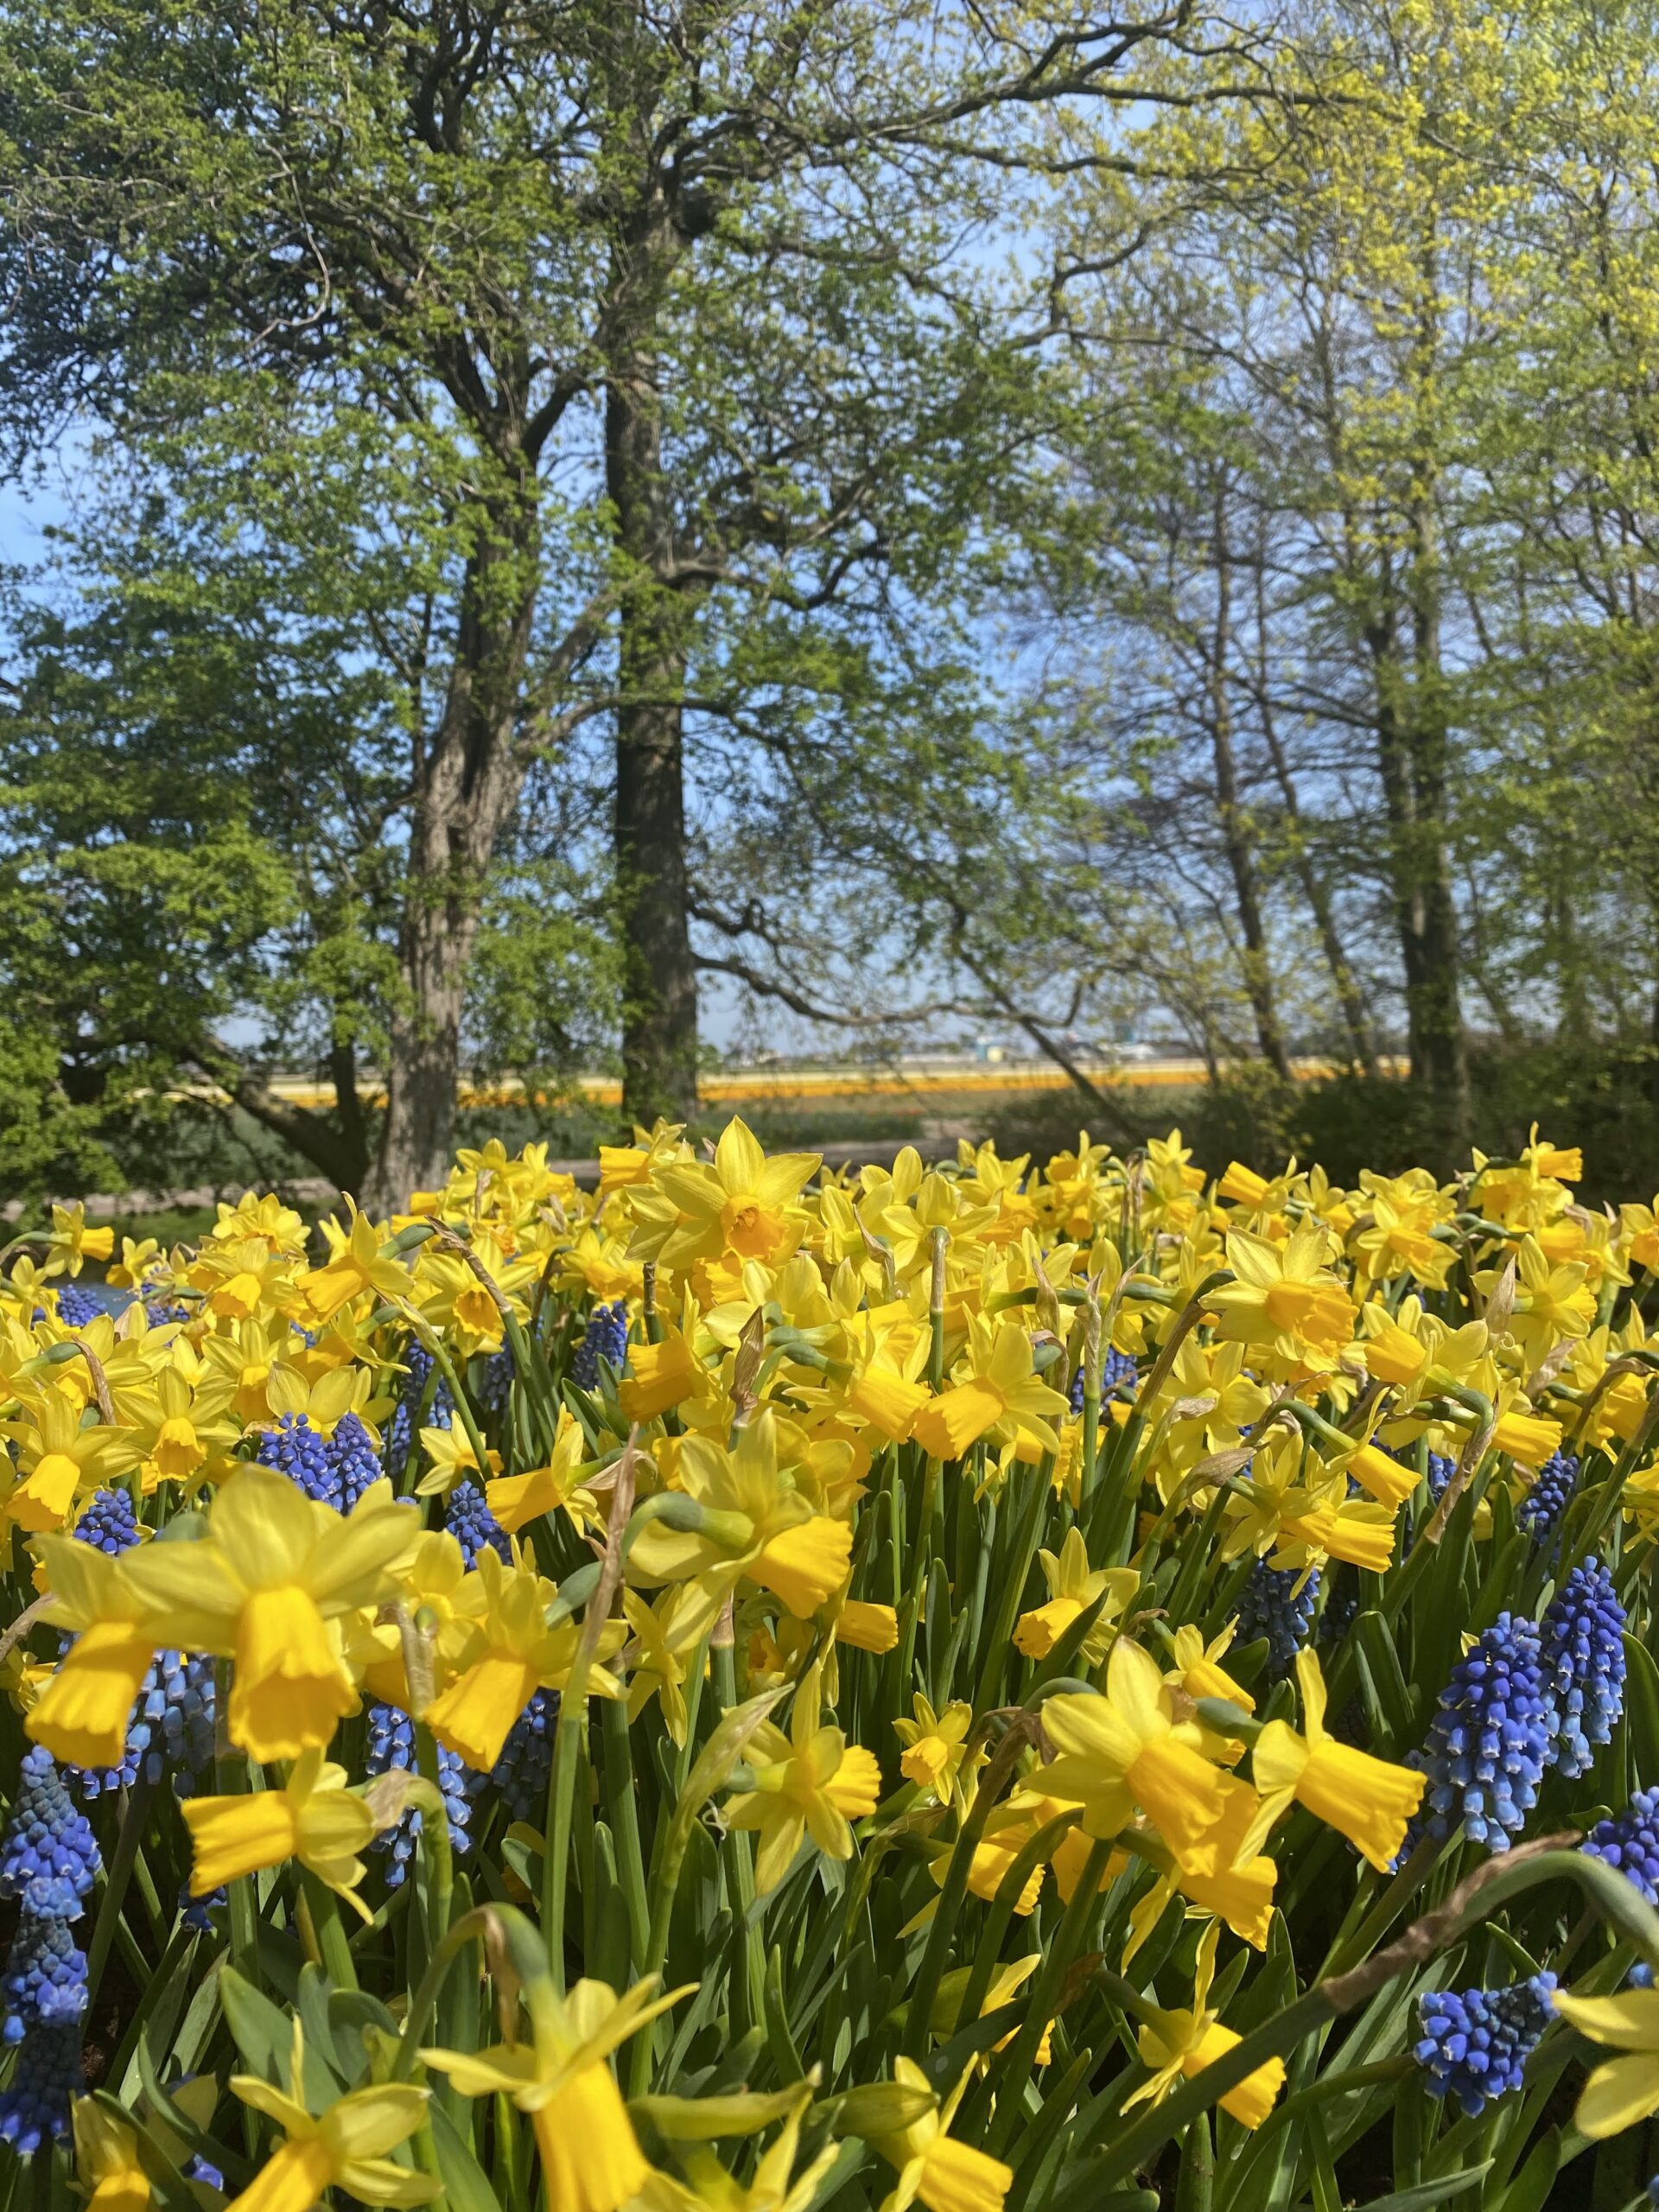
{"x":761,"y":1689}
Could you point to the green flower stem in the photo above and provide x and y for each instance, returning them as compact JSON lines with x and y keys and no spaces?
{"x":230,"y":1773}
{"x":1013,"y":1584}
{"x":624,"y":1811}
{"x":324,"y":1908}
{"x":696,"y":1673}
{"x":925,"y":1993}
{"x":748,"y":1988}
{"x":569,"y":1737}
{"x":435,"y":1844}
{"x":561,"y":1801}
{"x":472,"y":1927}
{"x":910,"y":1611}
{"x":172,"y":1961}
{"x":710,"y":1771}
{"x":1015,"y":2064}
{"x":1317,"y":2092}
{"x":434,"y":1343}
{"x":135,"y":1816}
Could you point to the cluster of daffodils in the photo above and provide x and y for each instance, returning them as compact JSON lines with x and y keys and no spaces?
{"x":752,"y":1688}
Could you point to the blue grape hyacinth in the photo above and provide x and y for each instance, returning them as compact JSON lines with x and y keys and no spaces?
{"x":497,"y":1388}
{"x":391,"y":1744}
{"x":333,"y":1470}
{"x":1630,"y":1841}
{"x":49,"y":1860}
{"x":78,"y":1306}
{"x":196,"y":1913}
{"x":474,"y":1528}
{"x":1490,"y":1740}
{"x":1475,"y":2043}
{"x":441,"y":1414}
{"x":44,"y":1979}
{"x":35,"y":2104}
{"x":109,"y":1524}
{"x":604,"y":1340}
{"x":521,"y":1772}
{"x":606,"y":1337}
{"x":48,"y":1856}
{"x":1277,"y":1603}
{"x":1542,"y":1511}
{"x":1582,"y":1638}
{"x":171,"y":1729}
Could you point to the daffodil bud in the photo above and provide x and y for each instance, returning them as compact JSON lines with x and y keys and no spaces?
{"x":881,"y":2108}
{"x":936,"y":1201}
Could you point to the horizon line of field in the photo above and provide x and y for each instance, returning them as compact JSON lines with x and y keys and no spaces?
{"x":718,"y":1088}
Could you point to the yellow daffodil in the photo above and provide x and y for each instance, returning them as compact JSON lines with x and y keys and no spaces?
{"x":1073,"y":1586}
{"x":1125,"y":1751}
{"x":934,"y":1745}
{"x":64,"y":1458}
{"x":1552,"y":1303}
{"x":140,"y":1258}
{"x":810,"y":1782}
{"x":866,"y":1626}
{"x":106,"y":2157}
{"x":1370,"y":1801}
{"x":516,"y":1500}
{"x":1531,"y":1438}
{"x":709,"y":2187}
{"x":665,"y":1636}
{"x":591,"y":2159}
{"x":934,"y":2169}
{"x":511,"y":1653}
{"x":313,"y":1817}
{"x":1287,"y":1303}
{"x":358,"y":1264}
{"x":243,"y":1277}
{"x":756,"y":1525}
{"x":661,"y":1375}
{"x":1394,"y":1235}
{"x":1003,"y":1391}
{"x":1624,"y":2091}
{"x":266,"y":1588}
{"x":81,"y":1714}
{"x":740,"y":1203}
{"x":452,"y":1460}
{"x":1197,"y":1669}
{"x":69,"y":1242}
{"x":345,"y":2146}
{"x":1174,"y":2043}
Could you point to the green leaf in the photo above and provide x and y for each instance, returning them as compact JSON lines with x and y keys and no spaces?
{"x":1426,"y":2193}
{"x":1378,"y":1655}
{"x":315,"y":1990}
{"x":1529,"y":2191}
{"x":466,"y":2184}
{"x":1642,"y":1708}
{"x":265,"y":2038}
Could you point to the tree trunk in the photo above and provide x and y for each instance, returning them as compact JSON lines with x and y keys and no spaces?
{"x":1442,"y":1023}
{"x":659,"y":1016}
{"x":466,"y":786}
{"x":1411,"y":758}
{"x":1237,"y":837}
{"x":1315,"y":890}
